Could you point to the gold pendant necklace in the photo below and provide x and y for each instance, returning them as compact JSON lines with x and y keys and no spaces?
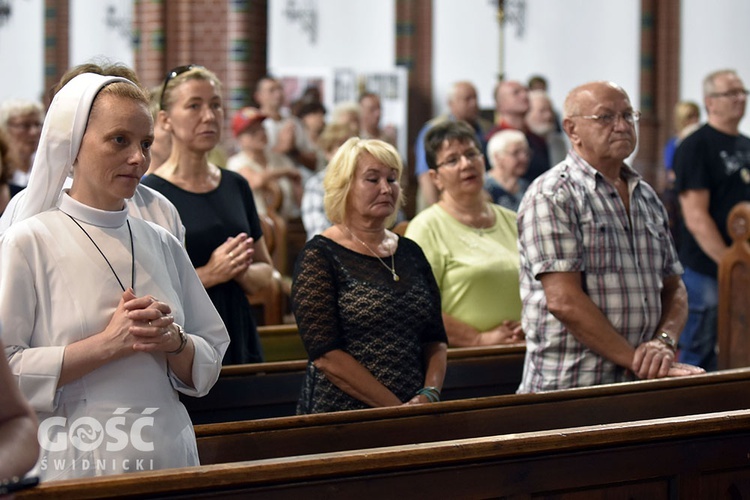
{"x":392,"y":269}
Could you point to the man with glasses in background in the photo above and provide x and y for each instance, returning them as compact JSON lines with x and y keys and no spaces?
{"x":712,"y":167}
{"x":603,"y":301}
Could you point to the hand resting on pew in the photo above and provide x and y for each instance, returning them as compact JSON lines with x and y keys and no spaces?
{"x":601,"y":283}
{"x":654,"y":359}
{"x":684,"y":369}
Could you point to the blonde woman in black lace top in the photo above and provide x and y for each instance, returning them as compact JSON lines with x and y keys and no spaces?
{"x":365,"y":300}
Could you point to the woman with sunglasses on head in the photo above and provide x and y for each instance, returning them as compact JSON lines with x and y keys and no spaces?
{"x":222,"y":231}
{"x":470,"y":242}
{"x":94,"y":351}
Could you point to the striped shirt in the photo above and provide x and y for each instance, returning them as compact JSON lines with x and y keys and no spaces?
{"x":572,"y":220}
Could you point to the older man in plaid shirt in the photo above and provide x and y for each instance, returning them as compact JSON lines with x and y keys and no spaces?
{"x":603,"y":300}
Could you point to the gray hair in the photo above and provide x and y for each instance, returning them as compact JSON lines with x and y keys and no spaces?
{"x":17,"y":107}
{"x":501,"y":140}
{"x":709,"y":82}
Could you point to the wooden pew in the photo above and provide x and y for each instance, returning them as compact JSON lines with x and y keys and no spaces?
{"x":281,"y":343}
{"x":696,"y":457}
{"x":332,"y":432}
{"x":734,"y":292}
{"x":265,"y":390}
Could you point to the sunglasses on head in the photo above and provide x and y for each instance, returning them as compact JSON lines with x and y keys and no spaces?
{"x":174,"y":73}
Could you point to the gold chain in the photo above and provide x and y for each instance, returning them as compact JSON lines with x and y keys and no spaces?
{"x":392,"y":269}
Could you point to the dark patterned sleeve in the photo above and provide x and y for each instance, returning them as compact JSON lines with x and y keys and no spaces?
{"x":314,"y":301}
{"x":434,"y":329}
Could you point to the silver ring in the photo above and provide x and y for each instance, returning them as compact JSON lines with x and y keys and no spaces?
{"x":149,"y":323}
{"x":231,"y":254}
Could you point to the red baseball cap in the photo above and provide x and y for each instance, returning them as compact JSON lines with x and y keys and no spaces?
{"x":244,"y":118}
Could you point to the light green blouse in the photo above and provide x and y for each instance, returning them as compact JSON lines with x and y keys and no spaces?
{"x":477,"y":271}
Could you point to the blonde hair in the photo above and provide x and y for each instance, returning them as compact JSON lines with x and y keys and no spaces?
{"x":194,"y":73}
{"x":342,"y":112}
{"x":125,"y":90}
{"x":340,"y":174}
{"x":333,"y":136}
{"x":118,"y":89}
{"x":685,"y":113}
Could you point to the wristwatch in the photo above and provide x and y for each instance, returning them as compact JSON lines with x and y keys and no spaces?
{"x":665,"y":339}
{"x":183,"y":340}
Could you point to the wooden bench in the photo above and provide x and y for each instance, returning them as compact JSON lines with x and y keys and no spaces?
{"x":265,"y":390}
{"x":734,"y":292}
{"x":309,"y":434}
{"x":281,"y":343}
{"x":695,"y":457}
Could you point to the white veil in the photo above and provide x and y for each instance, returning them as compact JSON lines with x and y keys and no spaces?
{"x":61,"y":138}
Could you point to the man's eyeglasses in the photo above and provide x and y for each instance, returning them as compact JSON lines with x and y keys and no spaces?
{"x":453,"y":160}
{"x":174,"y":74}
{"x":607,"y":119}
{"x":732,"y":94}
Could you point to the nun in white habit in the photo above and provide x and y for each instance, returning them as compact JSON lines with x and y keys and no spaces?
{"x":104,"y":319}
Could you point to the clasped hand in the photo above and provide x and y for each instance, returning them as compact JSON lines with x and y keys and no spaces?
{"x":508,"y":332}
{"x":142,"y":324}
{"x":232,"y":258}
{"x":654,"y":359}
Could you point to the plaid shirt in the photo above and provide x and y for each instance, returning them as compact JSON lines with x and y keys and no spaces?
{"x":313,"y":212}
{"x":572,"y":220}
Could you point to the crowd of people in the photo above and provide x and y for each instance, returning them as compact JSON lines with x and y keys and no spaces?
{"x":129,"y":247}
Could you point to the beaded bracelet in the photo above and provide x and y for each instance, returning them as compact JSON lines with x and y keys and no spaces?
{"x":431,"y":393}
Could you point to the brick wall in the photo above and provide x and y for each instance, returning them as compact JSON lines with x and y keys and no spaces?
{"x":56,"y":52}
{"x":227,"y":36}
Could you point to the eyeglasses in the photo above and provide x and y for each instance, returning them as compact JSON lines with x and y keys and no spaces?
{"x":732,"y":94}
{"x":453,"y":160}
{"x":25,"y":126}
{"x":607,"y":119}
{"x":174,"y":74}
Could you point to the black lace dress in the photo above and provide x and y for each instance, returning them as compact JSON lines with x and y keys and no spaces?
{"x":349,"y":301}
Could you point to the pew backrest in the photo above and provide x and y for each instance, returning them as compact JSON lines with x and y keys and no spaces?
{"x":701,"y":456}
{"x":266,"y":390}
{"x":310,"y":434}
{"x":734,"y":292}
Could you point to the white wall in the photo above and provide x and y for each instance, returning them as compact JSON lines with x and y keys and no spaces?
{"x":354,"y":38}
{"x":101,"y":30}
{"x":465,"y":46}
{"x":22,"y":51}
{"x":91,"y":36}
{"x":357,"y":34}
{"x":569,"y":42}
{"x":577,"y":41}
{"x":714,"y":36}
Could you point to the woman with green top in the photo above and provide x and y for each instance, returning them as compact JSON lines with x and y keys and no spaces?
{"x":470,"y":243}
